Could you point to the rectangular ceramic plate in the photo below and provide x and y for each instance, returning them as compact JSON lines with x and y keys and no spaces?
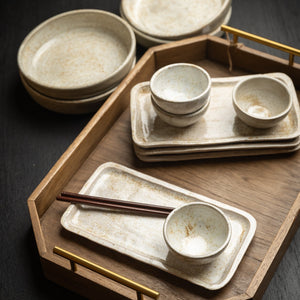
{"x":288,"y":144}
{"x":218,"y":126}
{"x":212,"y":154}
{"x":141,"y":236}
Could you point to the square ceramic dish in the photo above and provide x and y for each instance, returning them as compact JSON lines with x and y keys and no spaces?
{"x":141,"y":237}
{"x":218,"y":126}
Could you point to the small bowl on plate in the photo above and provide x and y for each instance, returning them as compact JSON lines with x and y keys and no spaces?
{"x":261,"y":101}
{"x":77,"y":54}
{"x":197,"y":232}
{"x":180,"y":120}
{"x":180,"y":88}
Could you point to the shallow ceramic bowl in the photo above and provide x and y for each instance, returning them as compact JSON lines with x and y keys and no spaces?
{"x":261,"y":101}
{"x":70,"y":107}
{"x":176,"y":19}
{"x":197,"y":232}
{"x":180,"y":88}
{"x":149,"y":41}
{"x":180,"y":120}
{"x":77,"y":54}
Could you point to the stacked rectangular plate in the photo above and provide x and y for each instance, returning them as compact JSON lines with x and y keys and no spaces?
{"x":160,"y":22}
{"x":219,"y":133}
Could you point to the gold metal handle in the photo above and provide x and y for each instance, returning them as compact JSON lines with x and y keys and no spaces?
{"x":74,"y":259}
{"x":239,"y":33}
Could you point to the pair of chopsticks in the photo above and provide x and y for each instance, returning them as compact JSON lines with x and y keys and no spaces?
{"x":114,"y":203}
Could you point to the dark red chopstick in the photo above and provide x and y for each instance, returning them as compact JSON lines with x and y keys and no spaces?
{"x":114,"y":203}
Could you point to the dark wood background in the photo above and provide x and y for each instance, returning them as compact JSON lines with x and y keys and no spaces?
{"x":32,"y":138}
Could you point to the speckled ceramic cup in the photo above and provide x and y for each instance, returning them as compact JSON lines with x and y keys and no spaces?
{"x":180,"y":120}
{"x":197,"y":232}
{"x":180,"y":88}
{"x":261,"y":101}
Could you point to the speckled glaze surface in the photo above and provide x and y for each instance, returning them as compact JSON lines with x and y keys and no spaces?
{"x":150,"y":41}
{"x":218,"y":126}
{"x":180,"y":120}
{"x":291,"y":144}
{"x":261,"y":101}
{"x":77,"y":54}
{"x":214,"y":154}
{"x":141,"y":237}
{"x":69,"y":106}
{"x":175,"y":19}
{"x":197,"y":233}
{"x":180,"y":88}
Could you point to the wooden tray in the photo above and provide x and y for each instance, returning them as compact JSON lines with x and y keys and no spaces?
{"x":267,"y":187}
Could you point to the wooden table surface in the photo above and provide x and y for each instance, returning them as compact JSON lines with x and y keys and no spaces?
{"x":32,"y":138}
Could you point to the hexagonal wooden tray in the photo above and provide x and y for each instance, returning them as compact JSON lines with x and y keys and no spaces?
{"x":266,"y":186}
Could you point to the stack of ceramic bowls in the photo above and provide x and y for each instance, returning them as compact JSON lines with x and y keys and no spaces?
{"x":159,"y":22}
{"x":180,"y":93}
{"x":72,"y":62}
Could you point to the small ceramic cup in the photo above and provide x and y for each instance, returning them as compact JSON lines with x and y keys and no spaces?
{"x":180,"y":120}
{"x":197,"y":232}
{"x":180,"y":88}
{"x":261,"y":101}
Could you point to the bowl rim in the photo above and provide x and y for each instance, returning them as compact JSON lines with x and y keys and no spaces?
{"x":159,"y":71}
{"x":275,"y":117}
{"x":26,"y":40}
{"x":209,"y":255}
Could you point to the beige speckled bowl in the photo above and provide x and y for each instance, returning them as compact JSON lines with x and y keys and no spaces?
{"x":175,"y":19}
{"x":197,"y":232}
{"x":180,"y":88}
{"x":261,"y":101}
{"x":69,"y":107}
{"x":149,"y":41}
{"x":180,"y":120}
{"x":77,"y":54}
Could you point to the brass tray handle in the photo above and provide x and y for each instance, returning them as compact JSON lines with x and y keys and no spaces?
{"x":239,"y":33}
{"x":74,"y":259}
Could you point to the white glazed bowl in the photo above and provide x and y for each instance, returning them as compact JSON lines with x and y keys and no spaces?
{"x":175,"y":20}
{"x":180,"y":120}
{"x":261,"y":101}
{"x":147,"y":40}
{"x":180,"y":88}
{"x":77,"y":54}
{"x":197,"y":232}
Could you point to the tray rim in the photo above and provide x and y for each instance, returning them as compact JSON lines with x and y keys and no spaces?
{"x":42,"y":196}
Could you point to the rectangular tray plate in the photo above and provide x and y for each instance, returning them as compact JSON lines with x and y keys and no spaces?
{"x":141,"y":236}
{"x":218,"y":126}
